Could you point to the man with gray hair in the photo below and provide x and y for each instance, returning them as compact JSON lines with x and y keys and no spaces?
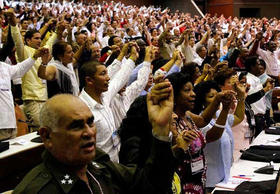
{"x":73,"y":164}
{"x":201,"y":54}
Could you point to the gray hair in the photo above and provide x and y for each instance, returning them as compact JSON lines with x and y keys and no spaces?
{"x":48,"y":117}
{"x":199,"y":48}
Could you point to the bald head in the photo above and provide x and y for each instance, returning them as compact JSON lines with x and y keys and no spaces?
{"x":57,"y":107}
{"x":67,"y":130}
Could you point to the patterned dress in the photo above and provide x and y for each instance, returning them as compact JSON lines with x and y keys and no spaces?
{"x":192,"y":166}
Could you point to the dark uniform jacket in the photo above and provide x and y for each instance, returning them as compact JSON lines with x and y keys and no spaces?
{"x":52,"y":177}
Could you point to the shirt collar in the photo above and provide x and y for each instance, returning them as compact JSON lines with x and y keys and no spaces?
{"x":90,"y":101}
{"x":66,"y":178}
{"x":63,"y":176}
{"x":252,"y":75}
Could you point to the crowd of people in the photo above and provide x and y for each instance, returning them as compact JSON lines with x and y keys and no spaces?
{"x":170,"y":98}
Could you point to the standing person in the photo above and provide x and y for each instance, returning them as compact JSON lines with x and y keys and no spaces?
{"x":271,"y":58}
{"x":8,"y":127}
{"x":252,"y":65}
{"x":59,"y":73}
{"x":192,"y":165}
{"x":34,"y":92}
{"x":219,"y":152}
{"x":98,"y":94}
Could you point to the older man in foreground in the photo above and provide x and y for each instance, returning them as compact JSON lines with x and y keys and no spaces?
{"x":73,"y":164}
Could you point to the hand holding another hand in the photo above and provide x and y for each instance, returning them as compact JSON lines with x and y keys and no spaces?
{"x":160,"y":107}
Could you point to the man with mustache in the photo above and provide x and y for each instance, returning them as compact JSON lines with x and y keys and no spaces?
{"x":73,"y":164}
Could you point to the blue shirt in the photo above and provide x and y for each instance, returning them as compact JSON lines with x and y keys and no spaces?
{"x":134,"y":74}
{"x":219,"y":154}
{"x":173,"y":69}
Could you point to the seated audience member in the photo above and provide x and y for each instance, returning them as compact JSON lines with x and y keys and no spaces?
{"x":59,"y":72}
{"x":8,"y":127}
{"x":73,"y":164}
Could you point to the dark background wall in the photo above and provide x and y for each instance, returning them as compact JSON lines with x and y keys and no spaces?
{"x":245,"y":8}
{"x":224,"y":7}
{"x":265,"y":8}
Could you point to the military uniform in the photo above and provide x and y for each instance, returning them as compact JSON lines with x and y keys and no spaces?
{"x":104,"y":175}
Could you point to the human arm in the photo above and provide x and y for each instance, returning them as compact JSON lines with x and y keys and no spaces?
{"x":121,"y":77}
{"x":217,"y":128}
{"x":17,"y":71}
{"x":166,"y":67}
{"x":248,"y":44}
{"x":240,"y":108}
{"x":148,"y":35}
{"x":161,"y":39}
{"x":44,"y":29}
{"x":150,"y":178}
{"x":134,"y":89}
{"x":256,"y":49}
{"x":115,"y":66}
{"x":205,"y":38}
{"x":205,"y":72}
{"x":47,"y":72}
{"x":203,"y":119}
{"x":16,"y":35}
{"x":254,"y":97}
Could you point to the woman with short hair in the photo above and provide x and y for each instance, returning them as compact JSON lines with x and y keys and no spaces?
{"x":59,"y":72}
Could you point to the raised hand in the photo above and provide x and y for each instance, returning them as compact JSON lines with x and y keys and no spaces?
{"x":134,"y":53}
{"x":60,"y":28}
{"x":161,"y":89}
{"x":269,"y":85}
{"x":206,"y":69}
{"x":226,"y":96}
{"x":43,"y":53}
{"x":125,"y":48}
{"x":150,"y":53}
{"x":160,"y":112}
{"x":189,"y":136}
{"x":228,"y":99}
{"x":240,"y":89}
{"x":11,"y":17}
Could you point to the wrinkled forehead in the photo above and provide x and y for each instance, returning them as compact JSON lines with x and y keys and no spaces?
{"x":76,"y":111}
